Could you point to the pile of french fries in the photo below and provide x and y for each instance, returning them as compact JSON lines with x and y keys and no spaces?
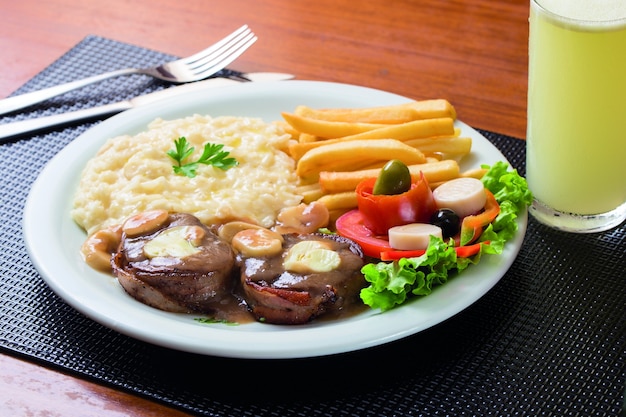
{"x":335,"y":149}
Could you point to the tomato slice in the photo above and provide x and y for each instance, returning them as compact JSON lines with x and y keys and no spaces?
{"x":350,"y":225}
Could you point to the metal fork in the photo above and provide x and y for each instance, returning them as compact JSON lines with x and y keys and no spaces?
{"x":193,"y":68}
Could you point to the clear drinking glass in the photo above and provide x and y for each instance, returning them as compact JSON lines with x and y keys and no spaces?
{"x":576,"y":136}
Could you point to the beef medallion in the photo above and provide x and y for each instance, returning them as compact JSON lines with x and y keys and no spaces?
{"x":311,"y":275}
{"x":173,"y":262}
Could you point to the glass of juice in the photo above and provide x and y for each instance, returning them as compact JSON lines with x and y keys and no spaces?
{"x":576,"y":134}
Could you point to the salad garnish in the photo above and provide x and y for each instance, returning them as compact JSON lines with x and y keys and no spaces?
{"x":212,"y":155}
{"x":393,"y":283}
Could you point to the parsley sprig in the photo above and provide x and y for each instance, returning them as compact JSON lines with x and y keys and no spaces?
{"x":213,"y":320}
{"x":212,"y":155}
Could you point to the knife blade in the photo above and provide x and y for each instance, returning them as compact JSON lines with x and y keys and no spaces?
{"x":10,"y":130}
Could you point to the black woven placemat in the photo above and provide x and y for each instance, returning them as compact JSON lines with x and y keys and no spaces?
{"x":548,"y":339}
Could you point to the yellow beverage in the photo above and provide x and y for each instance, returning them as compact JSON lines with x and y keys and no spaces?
{"x":576,"y":137}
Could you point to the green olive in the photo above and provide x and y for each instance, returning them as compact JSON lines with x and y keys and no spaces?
{"x":394,"y":178}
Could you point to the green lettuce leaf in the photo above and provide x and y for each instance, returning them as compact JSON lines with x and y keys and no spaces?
{"x":507,"y":185}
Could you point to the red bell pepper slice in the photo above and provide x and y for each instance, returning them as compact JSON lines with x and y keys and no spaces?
{"x":382,"y":212}
{"x":472,"y":226}
{"x":461,"y":252}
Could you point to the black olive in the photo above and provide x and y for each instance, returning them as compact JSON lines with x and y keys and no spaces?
{"x":448,"y":221}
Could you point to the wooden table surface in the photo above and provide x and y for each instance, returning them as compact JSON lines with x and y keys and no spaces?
{"x":473,"y":53}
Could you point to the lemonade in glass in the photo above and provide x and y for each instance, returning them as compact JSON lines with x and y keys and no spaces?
{"x":576,"y":137}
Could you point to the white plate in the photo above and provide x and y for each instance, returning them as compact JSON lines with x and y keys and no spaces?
{"x":53,"y":240}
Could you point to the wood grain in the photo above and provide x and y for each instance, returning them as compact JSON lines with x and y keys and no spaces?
{"x":30,"y":390}
{"x":473,"y":53}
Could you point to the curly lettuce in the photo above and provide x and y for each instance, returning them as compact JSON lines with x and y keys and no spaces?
{"x":392,"y":283}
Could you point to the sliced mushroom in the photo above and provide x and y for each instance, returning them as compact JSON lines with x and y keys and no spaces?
{"x":302,"y":219}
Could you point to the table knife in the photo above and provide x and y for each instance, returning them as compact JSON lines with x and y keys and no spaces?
{"x":9,"y":130}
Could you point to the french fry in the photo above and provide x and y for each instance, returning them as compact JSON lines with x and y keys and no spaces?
{"x":405,"y":131}
{"x":444,"y":170}
{"x":346,"y":155}
{"x":391,"y":114}
{"x":477,"y":173}
{"x":297,"y":149}
{"x":445,"y":145}
{"x":327,"y":129}
{"x":432,"y":109}
{"x":442,"y":126}
{"x":287,"y":128}
{"x":310,"y":192}
{"x":377,"y":165}
{"x":434,"y":185}
{"x":339,"y":201}
{"x":383,"y":115}
{"x":337,"y":182}
{"x":306,"y":138}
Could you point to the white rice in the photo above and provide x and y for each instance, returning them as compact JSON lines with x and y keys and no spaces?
{"x":131,"y":174}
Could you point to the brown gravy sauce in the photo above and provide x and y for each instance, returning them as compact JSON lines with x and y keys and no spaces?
{"x":234,"y":310}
